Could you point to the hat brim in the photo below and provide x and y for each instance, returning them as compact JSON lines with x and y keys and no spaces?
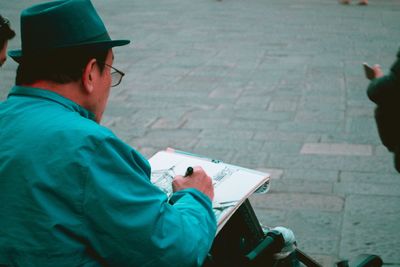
{"x":17,"y":55}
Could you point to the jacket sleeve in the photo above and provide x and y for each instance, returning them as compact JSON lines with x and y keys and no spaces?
{"x":131,"y":222}
{"x":384,"y":90}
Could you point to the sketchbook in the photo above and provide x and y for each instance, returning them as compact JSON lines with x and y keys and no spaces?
{"x":232,"y":184}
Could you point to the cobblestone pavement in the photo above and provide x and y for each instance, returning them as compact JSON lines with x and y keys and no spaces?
{"x":275,"y":85}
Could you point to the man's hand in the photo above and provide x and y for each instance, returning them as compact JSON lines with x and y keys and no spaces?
{"x":198,"y":180}
{"x":377,"y":71}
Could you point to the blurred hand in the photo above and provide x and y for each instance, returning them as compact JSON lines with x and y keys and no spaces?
{"x":377,"y":71}
{"x":198,"y":180}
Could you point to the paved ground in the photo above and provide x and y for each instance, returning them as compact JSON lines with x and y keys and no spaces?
{"x":275,"y":85}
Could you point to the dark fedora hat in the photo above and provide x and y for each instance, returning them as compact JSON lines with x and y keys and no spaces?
{"x":62,"y":24}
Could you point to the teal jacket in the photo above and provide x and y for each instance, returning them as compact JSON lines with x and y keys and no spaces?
{"x":73,"y":194}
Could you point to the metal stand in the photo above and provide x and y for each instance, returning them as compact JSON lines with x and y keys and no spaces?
{"x":243,"y":243}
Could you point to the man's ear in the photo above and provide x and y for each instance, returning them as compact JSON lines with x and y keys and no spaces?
{"x":88,"y":76}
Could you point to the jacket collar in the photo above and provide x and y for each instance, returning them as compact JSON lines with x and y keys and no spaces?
{"x":51,"y":96}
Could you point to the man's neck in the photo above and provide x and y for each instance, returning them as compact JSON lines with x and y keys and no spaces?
{"x":71,"y":90}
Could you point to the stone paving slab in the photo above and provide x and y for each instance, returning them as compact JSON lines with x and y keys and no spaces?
{"x":336,"y":149}
{"x":370,"y":225}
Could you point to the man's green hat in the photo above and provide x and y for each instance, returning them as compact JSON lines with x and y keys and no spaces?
{"x":62,"y":24}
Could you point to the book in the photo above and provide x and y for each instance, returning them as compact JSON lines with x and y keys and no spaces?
{"x":232,"y":184}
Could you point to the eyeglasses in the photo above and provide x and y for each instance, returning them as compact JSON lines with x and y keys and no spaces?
{"x":116,"y":75}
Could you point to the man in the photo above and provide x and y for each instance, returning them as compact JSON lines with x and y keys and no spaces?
{"x":72,"y":193}
{"x":384,"y":91}
{"x":6,"y":34}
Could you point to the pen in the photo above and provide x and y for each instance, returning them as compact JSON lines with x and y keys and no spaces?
{"x":189,"y":171}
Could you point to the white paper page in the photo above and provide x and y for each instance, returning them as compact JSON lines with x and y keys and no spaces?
{"x":165,"y":160}
{"x":239,"y":184}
